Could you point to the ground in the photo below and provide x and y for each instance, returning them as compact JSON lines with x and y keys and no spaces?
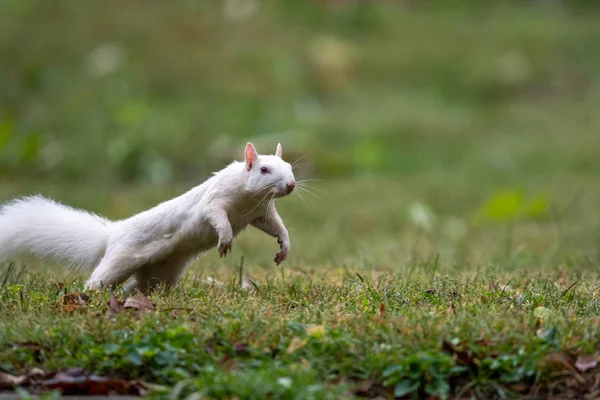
{"x":331,"y":321}
{"x":448,"y":245}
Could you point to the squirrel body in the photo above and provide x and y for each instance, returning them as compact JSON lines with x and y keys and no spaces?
{"x":156,"y":245}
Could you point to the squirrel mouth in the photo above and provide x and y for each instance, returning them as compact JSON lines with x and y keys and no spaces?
{"x":282,"y":190}
{"x":278,"y":193}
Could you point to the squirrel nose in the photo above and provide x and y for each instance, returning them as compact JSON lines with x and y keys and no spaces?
{"x":291,"y":186}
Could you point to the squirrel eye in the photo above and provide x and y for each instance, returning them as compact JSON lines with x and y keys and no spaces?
{"x":264,"y":170}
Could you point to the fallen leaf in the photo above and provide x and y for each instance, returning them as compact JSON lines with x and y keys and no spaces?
{"x":520,"y":387}
{"x":482,"y":341}
{"x":29,"y":345}
{"x":240,"y":348}
{"x":84,"y":297}
{"x":72,"y":301}
{"x":381,"y":317}
{"x":296,"y":344}
{"x":465,"y":357}
{"x":228,"y":363}
{"x":114,"y":306}
{"x":585,"y":362}
{"x":140,"y":303}
{"x":8,"y":381}
{"x":452,"y":309}
{"x":76,"y":381}
{"x":364,"y":387}
{"x":560,"y":360}
{"x":36,"y":372}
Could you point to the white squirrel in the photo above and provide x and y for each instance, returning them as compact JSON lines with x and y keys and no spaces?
{"x":156,"y":245}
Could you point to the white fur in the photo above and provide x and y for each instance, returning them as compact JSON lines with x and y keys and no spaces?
{"x":155,"y":245}
{"x":50,"y":229}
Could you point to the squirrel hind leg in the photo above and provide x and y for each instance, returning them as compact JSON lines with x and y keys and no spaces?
{"x":130,"y":287}
{"x":165,"y":273}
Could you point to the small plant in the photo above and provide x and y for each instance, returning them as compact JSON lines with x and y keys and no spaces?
{"x":427,"y":372}
{"x":260,"y":383}
{"x":509,"y":368}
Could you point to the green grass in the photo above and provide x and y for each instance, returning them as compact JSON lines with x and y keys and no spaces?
{"x":458,"y":151}
{"x":367,"y":299}
{"x":321,"y":334}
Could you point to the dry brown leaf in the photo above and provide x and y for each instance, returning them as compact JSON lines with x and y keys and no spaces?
{"x":562,"y":361}
{"x":556,"y":360}
{"x":33,"y":346}
{"x":72,"y":301}
{"x":482,"y":341}
{"x":586,"y":362}
{"x":463,"y":355}
{"x":241,"y":348}
{"x":84,"y":297}
{"x":8,"y":381}
{"x":114,"y":306}
{"x":76,"y":381}
{"x":296,"y":344}
{"x":364,"y":387}
{"x":520,"y":387}
{"x":140,"y":303}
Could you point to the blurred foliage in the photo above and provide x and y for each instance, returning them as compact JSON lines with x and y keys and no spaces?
{"x":151,"y":91}
{"x":511,"y":204}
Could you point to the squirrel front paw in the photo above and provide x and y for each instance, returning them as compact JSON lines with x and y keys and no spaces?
{"x":284,"y":245}
{"x":224,"y":247}
{"x":92,"y":285}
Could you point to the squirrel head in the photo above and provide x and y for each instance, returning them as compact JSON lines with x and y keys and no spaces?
{"x":268,"y":172}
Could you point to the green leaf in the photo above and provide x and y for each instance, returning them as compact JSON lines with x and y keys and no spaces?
{"x":132,"y":114}
{"x":548,"y":336}
{"x":438,"y":387}
{"x":537,"y":207}
{"x":134,"y":358}
{"x":504,"y":206}
{"x":393,"y":373}
{"x":369,"y":155}
{"x":166,"y":357}
{"x":15,"y":288}
{"x":405,"y":387}
{"x":112,"y":348}
{"x":458,"y":369}
{"x":543,"y":312}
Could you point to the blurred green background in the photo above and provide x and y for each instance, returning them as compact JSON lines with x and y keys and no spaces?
{"x":467,"y":131}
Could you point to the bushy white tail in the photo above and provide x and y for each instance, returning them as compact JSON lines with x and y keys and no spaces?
{"x":48,"y":229}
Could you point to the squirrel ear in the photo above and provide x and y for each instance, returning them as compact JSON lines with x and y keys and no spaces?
{"x":279,"y":151}
{"x":250,"y":155}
